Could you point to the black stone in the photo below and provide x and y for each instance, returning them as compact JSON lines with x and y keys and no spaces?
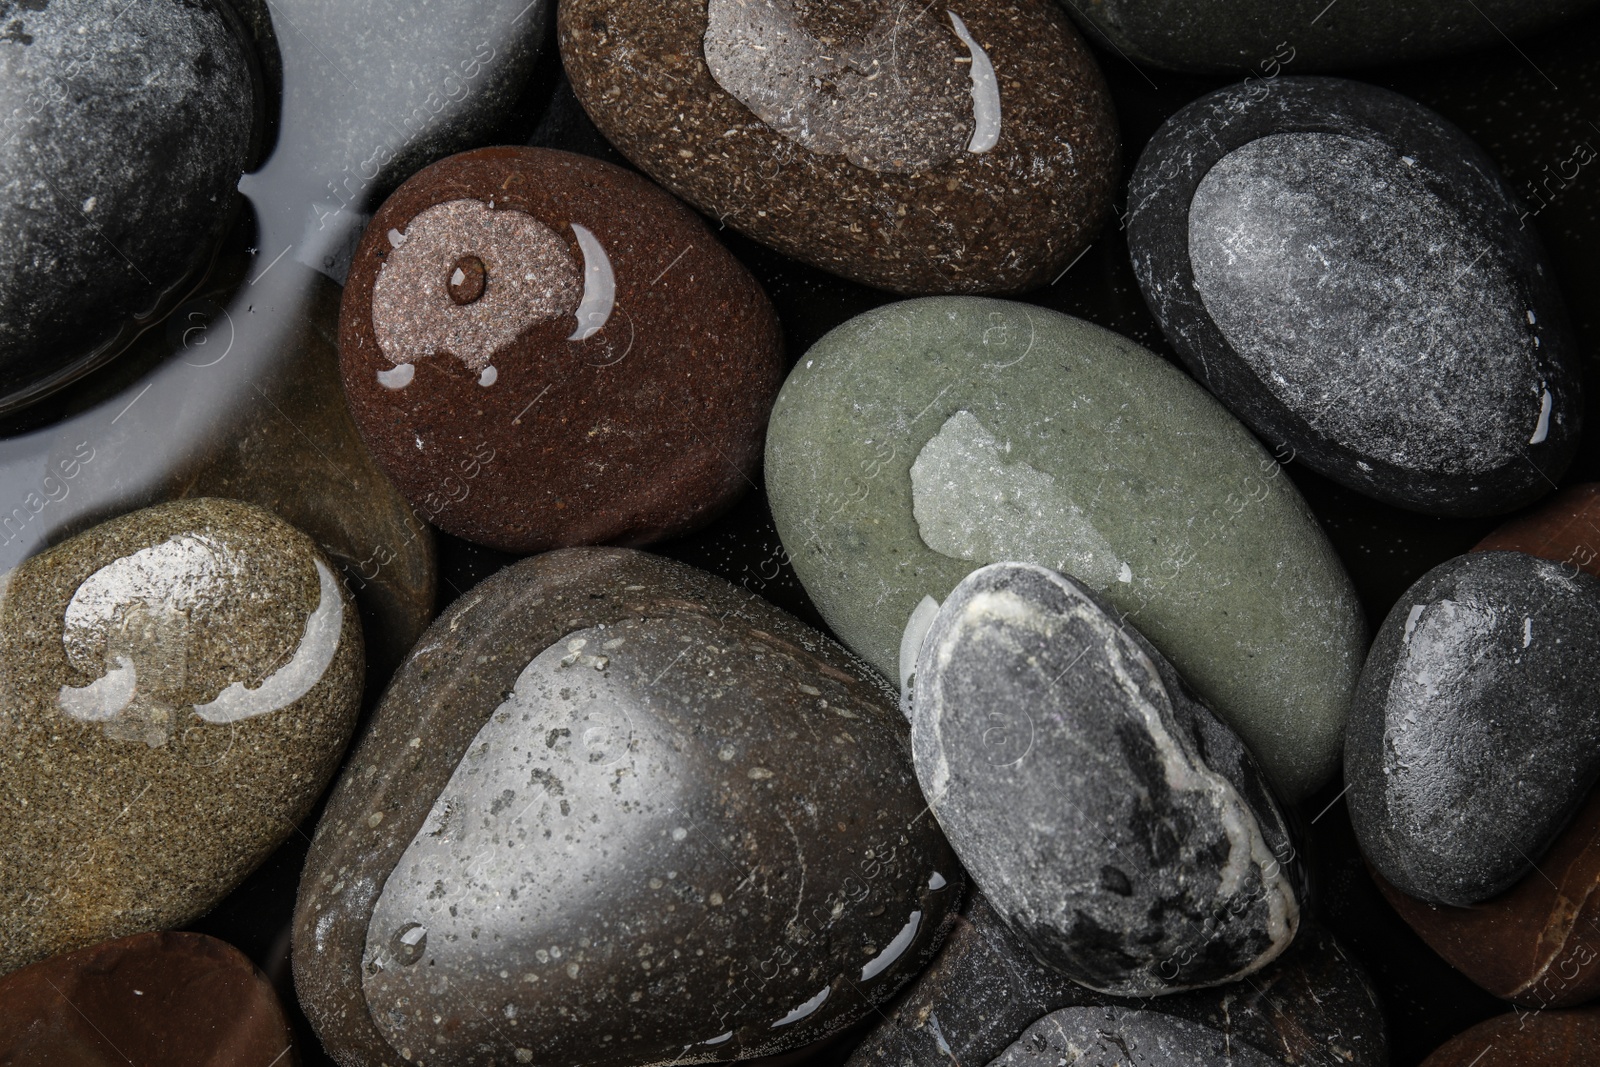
{"x":1351,"y":276}
{"x":129,"y":128}
{"x":1114,"y":822}
{"x":1311,"y":1007}
{"x":1475,"y":733}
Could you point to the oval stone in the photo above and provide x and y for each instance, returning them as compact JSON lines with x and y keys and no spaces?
{"x":1474,"y":736}
{"x":181,"y":683}
{"x":126,"y":132}
{"x":930,"y":437}
{"x":1116,"y":825}
{"x":968,"y":147}
{"x":634,"y":812}
{"x":512,"y":310}
{"x":1350,"y":275}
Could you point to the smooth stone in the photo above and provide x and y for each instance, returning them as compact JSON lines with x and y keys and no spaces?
{"x":177,"y":999}
{"x":126,"y":133}
{"x":1265,"y":37}
{"x":638,"y":813}
{"x":1092,"y":1037}
{"x":1110,"y":818}
{"x":1537,"y":944}
{"x":1565,"y":528}
{"x":1313,"y":1006}
{"x":1410,"y":342}
{"x":927,"y":438}
{"x":1525,"y":1039}
{"x":985,"y":162}
{"x":513,"y":310}
{"x":180,"y":685}
{"x":1474,"y":736}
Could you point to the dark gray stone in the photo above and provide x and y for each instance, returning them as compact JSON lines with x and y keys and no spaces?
{"x":126,"y":129}
{"x":1350,"y":275}
{"x":614,"y":810}
{"x":1475,"y":733}
{"x":1263,"y":36}
{"x":1114,"y":822}
{"x":1312,"y":1007}
{"x":1125,"y":1037}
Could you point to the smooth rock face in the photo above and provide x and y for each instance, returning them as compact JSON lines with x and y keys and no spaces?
{"x":521,"y":310}
{"x":178,"y":999}
{"x":1315,"y":251}
{"x":1566,"y":529}
{"x":1119,"y":828}
{"x":1474,"y":737}
{"x":1094,"y":1036}
{"x":639,"y":814}
{"x":927,"y":438}
{"x":1266,"y":36}
{"x":1312,"y":1006}
{"x":126,"y":133}
{"x":1525,"y":1039}
{"x":984,"y":162}
{"x":181,"y":682}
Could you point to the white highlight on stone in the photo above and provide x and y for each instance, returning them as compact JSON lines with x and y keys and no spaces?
{"x":937,"y":882}
{"x":102,"y":698}
{"x":294,"y":679}
{"x":917,"y":626}
{"x":488,"y":377}
{"x":1542,"y":430}
{"x":1125,"y":575}
{"x":88,"y":205}
{"x":1527,"y":632}
{"x":599,"y":286}
{"x":398,"y":378}
{"x":894,"y":950}
{"x":985,"y":92}
{"x":719,"y":1039}
{"x":804,"y":1010}
{"x":396,"y":239}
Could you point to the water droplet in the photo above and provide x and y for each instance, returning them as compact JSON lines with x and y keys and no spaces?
{"x":468,"y":279}
{"x":408,"y":943}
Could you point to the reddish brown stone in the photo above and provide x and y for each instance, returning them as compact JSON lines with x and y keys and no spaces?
{"x":1566,"y":529}
{"x":175,"y":999}
{"x":523,"y":409}
{"x":1525,"y":1039}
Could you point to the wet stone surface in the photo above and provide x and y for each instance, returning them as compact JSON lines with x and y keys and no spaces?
{"x":1474,"y":738}
{"x":512,"y":310}
{"x":963,"y":147}
{"x":182,"y":681}
{"x":614,"y":810}
{"x":1273,"y":224}
{"x":1525,"y":1039}
{"x":1122,"y":831}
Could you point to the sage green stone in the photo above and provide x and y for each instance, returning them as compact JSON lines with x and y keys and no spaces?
{"x":925,"y":439}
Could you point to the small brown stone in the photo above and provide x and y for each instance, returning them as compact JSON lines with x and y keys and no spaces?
{"x":544,"y":350}
{"x":1525,"y":1039}
{"x":174,"y":999}
{"x":1566,"y":528}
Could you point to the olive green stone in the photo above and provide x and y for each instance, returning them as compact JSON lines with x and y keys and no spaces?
{"x":925,"y":439}
{"x":179,"y":685}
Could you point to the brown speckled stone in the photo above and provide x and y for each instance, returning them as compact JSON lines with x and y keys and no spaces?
{"x":851,"y":135}
{"x":1531,"y":1039}
{"x":174,"y":999}
{"x":179,"y":685}
{"x":545,"y":415}
{"x":1565,"y":528}
{"x":614,"y":810}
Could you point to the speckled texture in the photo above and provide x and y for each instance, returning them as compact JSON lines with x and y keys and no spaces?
{"x":1474,"y":736}
{"x":1521,"y":1039}
{"x":1348,"y":273}
{"x":635,"y":424}
{"x":178,"y":999}
{"x":718,"y":869}
{"x":124,"y":134}
{"x":868,"y":169}
{"x":1229,"y":36}
{"x":145,"y":818}
{"x":1121,"y":830}
{"x":1125,"y":1037}
{"x":1082,"y":433}
{"x":1312,"y":1007}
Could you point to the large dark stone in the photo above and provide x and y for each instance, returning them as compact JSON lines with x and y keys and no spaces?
{"x":1351,"y":276}
{"x":1122,"y":830}
{"x":1475,"y":734}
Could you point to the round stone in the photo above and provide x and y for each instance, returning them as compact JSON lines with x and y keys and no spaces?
{"x":925,"y":439}
{"x":1348,"y":273}
{"x":968,"y":147}
{"x":182,"y":683}
{"x":127,"y":129}
{"x":546,"y":350}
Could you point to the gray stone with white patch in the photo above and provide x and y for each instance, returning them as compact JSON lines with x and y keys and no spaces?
{"x":1475,"y":733}
{"x":1108,"y":816}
